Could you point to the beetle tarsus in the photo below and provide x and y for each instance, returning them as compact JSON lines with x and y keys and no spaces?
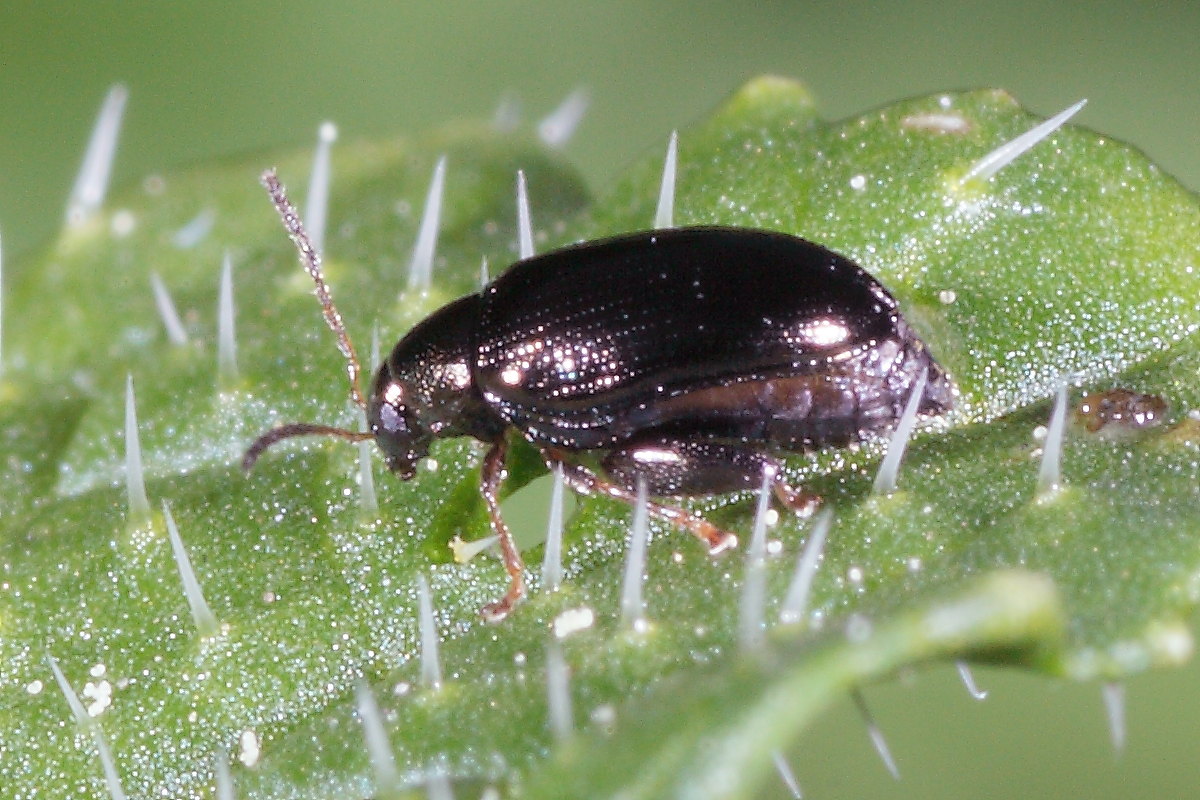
{"x":499,"y":610}
{"x":801,"y":501}
{"x":491,"y":476}
{"x":718,"y":541}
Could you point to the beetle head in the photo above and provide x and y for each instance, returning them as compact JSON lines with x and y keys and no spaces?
{"x":392,"y":421}
{"x":392,"y":417}
{"x":424,"y":389}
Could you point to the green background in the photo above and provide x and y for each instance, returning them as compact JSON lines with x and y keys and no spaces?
{"x":212,"y":79}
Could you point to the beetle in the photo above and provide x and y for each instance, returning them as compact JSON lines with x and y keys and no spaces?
{"x":688,"y":358}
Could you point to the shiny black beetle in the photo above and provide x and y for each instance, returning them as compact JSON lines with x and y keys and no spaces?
{"x":684,"y":357}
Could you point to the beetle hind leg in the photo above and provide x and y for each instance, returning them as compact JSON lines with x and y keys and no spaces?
{"x":691,"y":467}
{"x":585,"y":481}
{"x":674,"y":467}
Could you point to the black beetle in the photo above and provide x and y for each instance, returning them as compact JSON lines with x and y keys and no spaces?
{"x":684,"y":357}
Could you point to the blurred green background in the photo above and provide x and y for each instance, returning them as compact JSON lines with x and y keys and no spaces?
{"x":219,"y":78}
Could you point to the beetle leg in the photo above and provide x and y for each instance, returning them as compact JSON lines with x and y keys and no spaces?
{"x":798,"y":499}
{"x":583,"y":480}
{"x":491,"y":476}
{"x":673,"y":466}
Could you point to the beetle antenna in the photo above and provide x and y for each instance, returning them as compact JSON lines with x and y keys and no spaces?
{"x":296,"y":429}
{"x":310,"y":259}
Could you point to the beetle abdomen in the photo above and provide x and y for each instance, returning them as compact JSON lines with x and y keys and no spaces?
{"x":580,"y":345}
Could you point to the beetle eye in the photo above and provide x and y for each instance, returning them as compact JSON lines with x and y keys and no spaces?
{"x":391,"y":418}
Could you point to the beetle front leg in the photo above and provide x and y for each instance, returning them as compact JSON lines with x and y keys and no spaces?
{"x":583,"y":480}
{"x":491,"y":476}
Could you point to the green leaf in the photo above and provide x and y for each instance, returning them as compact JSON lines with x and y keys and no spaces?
{"x":710,"y":732}
{"x":1076,"y":262}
